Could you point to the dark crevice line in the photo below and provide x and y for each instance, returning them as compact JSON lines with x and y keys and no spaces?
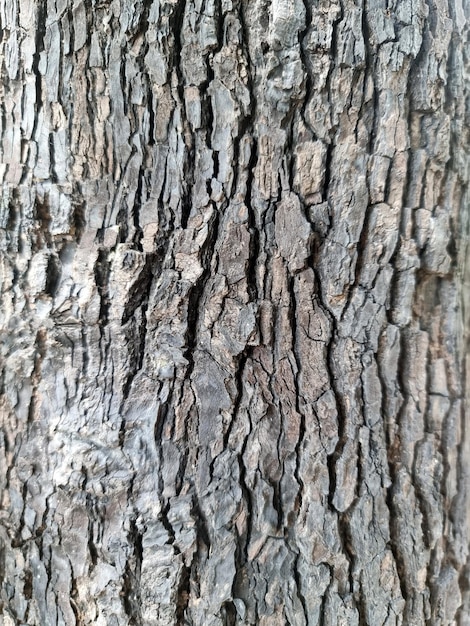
{"x":187,"y":185}
{"x":142,"y":334}
{"x":39,"y":47}
{"x":238,"y":377}
{"x":52,"y":158}
{"x":344,"y":533}
{"x":246,"y":121}
{"x":246,"y":128}
{"x":298,"y":584}
{"x":124,"y":84}
{"x":395,"y":465}
{"x":161,"y":419}
{"x":190,"y":155}
{"x":102,"y":270}
{"x":329,"y":78}
{"x":17,"y":540}
{"x":196,"y":292}
{"x":363,"y":109}
{"x":89,"y":124}
{"x":248,"y":499}
{"x":40,"y":352}
{"x":151,"y":111}
{"x":277,"y":496}
{"x":342,"y":418}
{"x":388,"y":180}
{"x":361,"y":604}
{"x":73,"y":600}
{"x":92,"y":549}
{"x":327,"y":175}
{"x":183,"y":594}
{"x":254,"y":245}
{"x":78,"y":221}
{"x":176,"y":27}
{"x":71,"y":30}
{"x":138,"y":202}
{"x":361,"y":249}
{"x":138,"y":298}
{"x":131,"y":599}
{"x":42,"y":219}
{"x":298,"y":361}
{"x":219,"y":19}
{"x":303,"y":33}
{"x":460,"y":502}
{"x":395,"y":540}
{"x":53,"y":273}
{"x":325,"y":598}
{"x":371,"y":59}
{"x":289,"y":150}
{"x":339,"y":401}
{"x":116,"y":203}
{"x":202,"y":525}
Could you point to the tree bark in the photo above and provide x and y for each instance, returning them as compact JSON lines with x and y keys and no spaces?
{"x":235,"y":312}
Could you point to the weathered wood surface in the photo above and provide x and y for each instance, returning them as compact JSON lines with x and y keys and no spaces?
{"x":233,"y":255}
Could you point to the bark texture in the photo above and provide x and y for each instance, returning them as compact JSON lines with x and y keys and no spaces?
{"x":234,"y":316}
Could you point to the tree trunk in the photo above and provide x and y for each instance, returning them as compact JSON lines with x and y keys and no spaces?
{"x":235,"y":312}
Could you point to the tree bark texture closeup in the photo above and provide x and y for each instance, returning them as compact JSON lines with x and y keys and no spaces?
{"x":234,"y":309}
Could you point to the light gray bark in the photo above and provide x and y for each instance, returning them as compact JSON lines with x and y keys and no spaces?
{"x":234,"y":312}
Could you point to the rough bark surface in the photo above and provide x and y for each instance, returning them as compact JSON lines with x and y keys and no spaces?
{"x":234,"y":243}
